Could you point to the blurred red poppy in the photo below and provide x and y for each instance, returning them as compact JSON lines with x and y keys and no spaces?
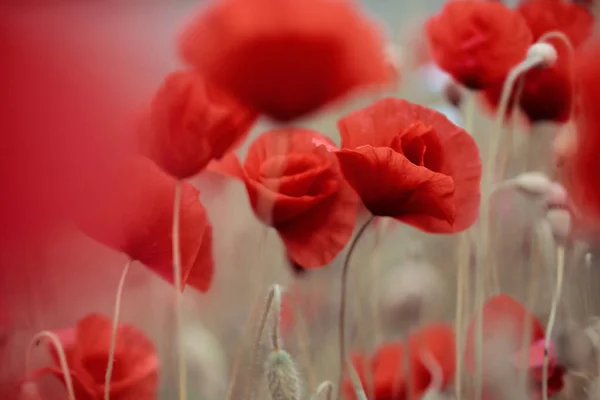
{"x":505,"y":318}
{"x":410,"y":162}
{"x":477,"y":42}
{"x":584,"y":179}
{"x":286,"y":58}
{"x":385,"y":369}
{"x":133,"y":213}
{"x":87,"y":346}
{"x":191,"y":123}
{"x":543,"y":16}
{"x":295,"y":185}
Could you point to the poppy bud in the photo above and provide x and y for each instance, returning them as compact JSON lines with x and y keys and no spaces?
{"x":560,"y":222}
{"x":532,"y":183}
{"x":282,"y":376}
{"x":545,"y":52}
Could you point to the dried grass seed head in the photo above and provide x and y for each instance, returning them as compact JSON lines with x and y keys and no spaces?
{"x":282,"y":376}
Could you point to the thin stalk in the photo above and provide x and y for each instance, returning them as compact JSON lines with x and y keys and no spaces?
{"x":113,"y":333}
{"x":62,"y":358}
{"x":560,"y":270}
{"x":342,"y":314}
{"x":484,"y":256}
{"x":239,"y":354}
{"x":357,"y":385}
{"x":182,"y":367}
{"x":275,"y":337}
{"x":273,"y":291}
{"x":461,"y":289}
{"x":302,"y":339}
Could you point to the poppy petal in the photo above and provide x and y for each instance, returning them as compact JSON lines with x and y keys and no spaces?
{"x":413,"y":194}
{"x":229,"y":165}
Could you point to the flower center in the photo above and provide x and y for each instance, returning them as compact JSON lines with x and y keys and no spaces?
{"x":421,"y":145}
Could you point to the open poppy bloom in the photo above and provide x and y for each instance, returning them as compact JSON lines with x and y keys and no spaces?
{"x":477,"y":42}
{"x":410,"y":162}
{"x":432,"y":344}
{"x":133,"y":213}
{"x":286,"y":58}
{"x":87,"y":346}
{"x":505,"y":318}
{"x":294,"y":184}
{"x":191,"y":123}
{"x":583,"y":184}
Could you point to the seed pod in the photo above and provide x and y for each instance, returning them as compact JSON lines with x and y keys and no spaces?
{"x":282,"y":376}
{"x":532,"y":183}
{"x":560,"y":222}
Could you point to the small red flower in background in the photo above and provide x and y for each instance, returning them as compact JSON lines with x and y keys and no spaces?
{"x":286,"y":58}
{"x":133,"y":213}
{"x":504,"y":317}
{"x":477,"y":42}
{"x":543,"y":16}
{"x":295,"y":185}
{"x":385,"y":369}
{"x":584,"y":180}
{"x":547,"y":93}
{"x":191,"y":123}
{"x":410,"y":162}
{"x":87,"y":346}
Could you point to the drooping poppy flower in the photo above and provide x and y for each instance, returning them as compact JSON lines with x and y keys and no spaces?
{"x":585,"y":175}
{"x":478,"y":42}
{"x":286,"y":58}
{"x":410,"y":162}
{"x":294,"y":184}
{"x":191,"y":123}
{"x":87,"y":346}
{"x":133,"y":213}
{"x":386,"y":368}
{"x":505,"y":318}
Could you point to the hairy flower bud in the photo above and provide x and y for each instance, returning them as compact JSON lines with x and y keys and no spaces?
{"x":282,"y":376}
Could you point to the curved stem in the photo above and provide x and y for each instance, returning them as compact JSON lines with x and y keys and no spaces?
{"x":273,"y":291}
{"x":435,"y":370}
{"x":342,"y":316}
{"x":62,"y":358}
{"x":483,"y":253}
{"x":113,"y":334}
{"x":325,"y":387}
{"x":560,"y":269}
{"x":178,"y":297}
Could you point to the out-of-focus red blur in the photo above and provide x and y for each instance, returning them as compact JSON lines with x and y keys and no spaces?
{"x":73,"y":77}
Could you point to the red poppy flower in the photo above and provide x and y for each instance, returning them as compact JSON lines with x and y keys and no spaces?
{"x":87,"y":346}
{"x":294,"y":184}
{"x":286,"y":58}
{"x":410,"y":162}
{"x":505,"y":317}
{"x":478,"y":42}
{"x":543,"y":16}
{"x":133,"y":213}
{"x":191,"y":123}
{"x":583,"y":185}
{"x":385,"y":369}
